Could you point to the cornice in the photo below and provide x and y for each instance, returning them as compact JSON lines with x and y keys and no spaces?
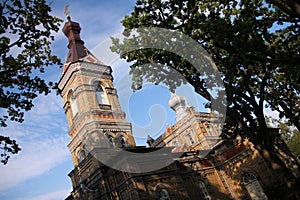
{"x":93,"y":68}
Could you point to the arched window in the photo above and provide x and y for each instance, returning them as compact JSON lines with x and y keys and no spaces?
{"x":248,"y":178}
{"x":203,"y":192}
{"x":110,"y":140}
{"x":162,"y":194}
{"x":253,"y":187}
{"x":100,"y":94}
{"x":122,"y":142}
{"x":81,"y":155}
{"x":73,"y":103}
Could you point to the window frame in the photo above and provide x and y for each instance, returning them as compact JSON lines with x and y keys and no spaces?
{"x":122,"y":141}
{"x":73,"y":103}
{"x":101,"y":95}
{"x":161,"y":193}
{"x":81,"y":155}
{"x":111,"y":140}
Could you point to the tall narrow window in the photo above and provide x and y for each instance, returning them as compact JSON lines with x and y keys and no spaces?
{"x":110,"y":140}
{"x":81,"y":155}
{"x":74,"y":106}
{"x":254,"y":188}
{"x":122,"y":142}
{"x":100,"y":94}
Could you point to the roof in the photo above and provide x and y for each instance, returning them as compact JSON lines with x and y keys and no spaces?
{"x":77,"y":50}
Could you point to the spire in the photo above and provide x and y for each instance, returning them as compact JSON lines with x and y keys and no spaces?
{"x":76,"y":47}
{"x":77,"y":50}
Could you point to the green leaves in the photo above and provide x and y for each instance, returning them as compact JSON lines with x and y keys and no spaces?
{"x":8,"y":146}
{"x":25,"y":37}
{"x":255,"y":45}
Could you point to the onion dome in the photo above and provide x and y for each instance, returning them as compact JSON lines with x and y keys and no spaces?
{"x":176,"y":101}
{"x":179,"y":105}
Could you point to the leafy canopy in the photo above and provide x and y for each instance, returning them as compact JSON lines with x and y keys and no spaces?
{"x":289,"y":134}
{"x":254,"y":43}
{"x":26,"y":28}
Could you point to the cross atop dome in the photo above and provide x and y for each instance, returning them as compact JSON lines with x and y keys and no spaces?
{"x":67,"y":12}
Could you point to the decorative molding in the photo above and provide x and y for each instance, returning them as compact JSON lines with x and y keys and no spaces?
{"x":84,"y":66}
{"x":73,"y":67}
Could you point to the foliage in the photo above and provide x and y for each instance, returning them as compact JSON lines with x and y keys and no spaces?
{"x":26,"y":28}
{"x":254,"y":43}
{"x":293,"y":143}
{"x":291,"y":138}
{"x":8,"y":146}
{"x":288,"y":133}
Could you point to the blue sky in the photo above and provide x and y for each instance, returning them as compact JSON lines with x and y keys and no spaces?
{"x":40,"y":170}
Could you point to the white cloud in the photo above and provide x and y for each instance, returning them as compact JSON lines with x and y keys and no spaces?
{"x":46,"y":107}
{"x":42,"y":137}
{"x":36,"y":158}
{"x":45,"y":117}
{"x":61,"y":194}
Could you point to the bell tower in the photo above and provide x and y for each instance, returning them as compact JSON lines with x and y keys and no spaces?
{"x":90,"y":100}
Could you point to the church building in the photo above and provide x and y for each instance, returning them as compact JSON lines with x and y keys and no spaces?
{"x":192,"y":161}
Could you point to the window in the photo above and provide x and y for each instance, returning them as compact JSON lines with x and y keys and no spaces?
{"x":210,"y":129}
{"x":73,"y":103}
{"x":253,"y":187}
{"x":248,"y":178}
{"x":81,"y":155}
{"x":110,"y":140}
{"x":122,"y":142}
{"x":100,"y":94}
{"x":203,"y":192}
{"x":190,"y":138}
{"x":162,"y":194}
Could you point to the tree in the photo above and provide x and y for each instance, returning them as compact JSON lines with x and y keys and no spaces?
{"x":254,"y":43}
{"x":288,"y":133}
{"x":25,"y":36}
{"x":293,"y":143}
